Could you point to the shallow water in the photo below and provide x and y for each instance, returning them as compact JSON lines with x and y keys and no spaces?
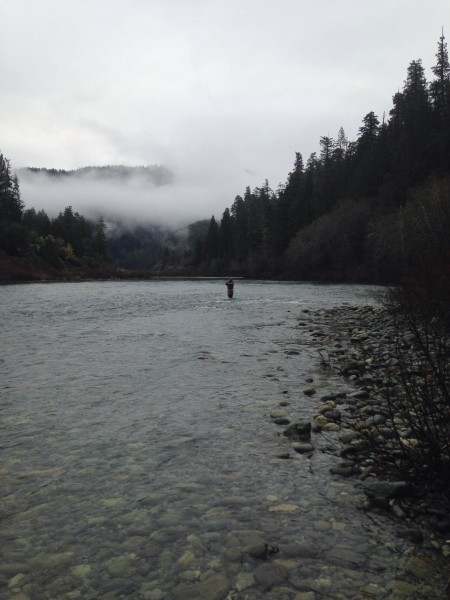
{"x":139,"y":457}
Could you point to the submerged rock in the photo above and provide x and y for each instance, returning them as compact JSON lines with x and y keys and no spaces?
{"x":300,"y":431}
{"x":387,"y":489}
{"x":261,"y":550}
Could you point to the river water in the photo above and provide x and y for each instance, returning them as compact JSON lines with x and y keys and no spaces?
{"x":139,"y":459}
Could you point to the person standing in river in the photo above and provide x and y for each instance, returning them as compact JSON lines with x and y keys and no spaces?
{"x":230,"y":287}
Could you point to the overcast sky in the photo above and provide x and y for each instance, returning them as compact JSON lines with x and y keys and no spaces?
{"x":223,"y":92}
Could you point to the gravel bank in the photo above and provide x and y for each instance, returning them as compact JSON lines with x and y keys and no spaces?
{"x":359,"y":344}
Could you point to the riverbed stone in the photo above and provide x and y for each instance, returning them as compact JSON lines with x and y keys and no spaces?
{"x":342,"y":471}
{"x":269,"y":574}
{"x":331,"y":427}
{"x":320,"y":421}
{"x":261,"y":550}
{"x":303,"y":447}
{"x":403,"y":590}
{"x":285,"y":507}
{"x":82,"y":570}
{"x":283,"y":455}
{"x":155,"y":594}
{"x":17,"y":580}
{"x":244,"y":580}
{"x":418,"y":566}
{"x":300,"y":431}
{"x":412,"y":535}
{"x":387,"y":489}
{"x":348,"y":436}
{"x":282,"y":421}
{"x":309,"y":391}
{"x":333,"y":414}
{"x":122,"y":566}
{"x":305,"y":596}
{"x":278,"y":413}
{"x":20,"y":596}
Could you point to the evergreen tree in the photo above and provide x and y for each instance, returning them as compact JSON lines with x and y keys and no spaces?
{"x":289,"y":211}
{"x":211,"y":244}
{"x":440,"y":101}
{"x":99,"y":241}
{"x":368,"y":132}
{"x":226,"y":237}
{"x":440,"y":87}
{"x":365,"y":163}
{"x":14,"y":237}
{"x":413,"y":159}
{"x":239,"y":221}
{"x":341,"y":143}
{"x":11,"y":205}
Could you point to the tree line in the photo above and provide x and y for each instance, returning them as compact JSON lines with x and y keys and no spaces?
{"x":68,"y":238}
{"x":358,"y":210}
{"x":363,"y":210}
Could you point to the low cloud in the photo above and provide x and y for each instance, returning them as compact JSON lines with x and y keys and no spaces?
{"x":150,"y":195}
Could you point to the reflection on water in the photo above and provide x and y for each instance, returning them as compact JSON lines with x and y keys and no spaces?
{"x":139,"y":459}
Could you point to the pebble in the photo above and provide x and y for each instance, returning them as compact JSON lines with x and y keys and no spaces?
{"x":302,"y":447}
{"x":309,"y":391}
{"x":278,"y":413}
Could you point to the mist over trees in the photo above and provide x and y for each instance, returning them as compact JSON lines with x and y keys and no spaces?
{"x":155,"y":174}
{"x":363,"y":210}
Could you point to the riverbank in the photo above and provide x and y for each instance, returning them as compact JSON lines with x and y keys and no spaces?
{"x":24,"y":270}
{"x":359,"y":344}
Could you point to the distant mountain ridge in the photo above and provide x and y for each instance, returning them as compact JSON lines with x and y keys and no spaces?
{"x":156,"y":174}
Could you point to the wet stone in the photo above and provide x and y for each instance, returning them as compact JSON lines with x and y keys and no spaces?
{"x":342,"y":471}
{"x":331,"y":427}
{"x":412,"y":535}
{"x":261,"y":550}
{"x":269,"y":574}
{"x":278,"y":413}
{"x":346,"y":555}
{"x":348,"y":436}
{"x":283,"y":455}
{"x":309,"y":391}
{"x":300,"y":550}
{"x":387,"y":489}
{"x":333,"y":414}
{"x":418,"y":566}
{"x":300,"y":431}
{"x":282,"y":421}
{"x":303,"y":447}
{"x":244,"y":580}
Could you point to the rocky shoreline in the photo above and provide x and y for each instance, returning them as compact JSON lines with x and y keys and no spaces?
{"x":358,"y":344}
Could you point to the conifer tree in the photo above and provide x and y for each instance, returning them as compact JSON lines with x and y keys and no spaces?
{"x":440,"y":100}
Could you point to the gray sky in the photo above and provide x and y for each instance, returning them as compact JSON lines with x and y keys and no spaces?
{"x":223,"y":92}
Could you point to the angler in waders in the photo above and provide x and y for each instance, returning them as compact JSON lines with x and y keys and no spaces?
{"x":230,"y":287}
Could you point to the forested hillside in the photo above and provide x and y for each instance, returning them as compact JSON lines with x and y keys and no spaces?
{"x":360,"y":210}
{"x":364,"y":210}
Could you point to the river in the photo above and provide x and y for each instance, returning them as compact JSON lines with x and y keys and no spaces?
{"x":139,"y":459}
